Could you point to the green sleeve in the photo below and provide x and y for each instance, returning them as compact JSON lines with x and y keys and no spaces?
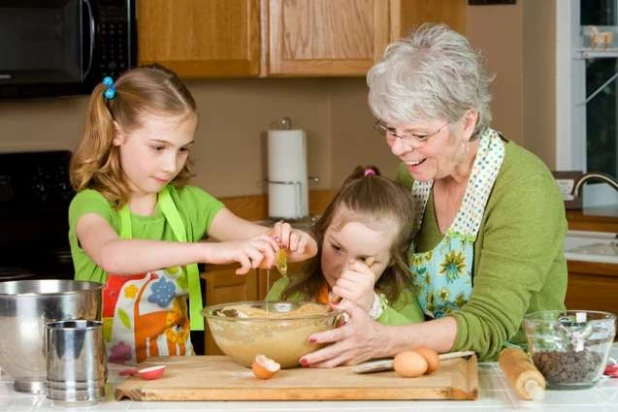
{"x":86,"y":202}
{"x":403,"y":311}
{"x":277,"y":289}
{"x":520,"y":261}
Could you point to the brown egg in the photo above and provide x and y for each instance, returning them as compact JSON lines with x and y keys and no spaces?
{"x":264,"y":368}
{"x":410,"y":364}
{"x":432,"y":358}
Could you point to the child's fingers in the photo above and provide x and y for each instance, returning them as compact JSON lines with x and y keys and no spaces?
{"x":295,"y":239}
{"x":272,"y":241}
{"x":284,"y":234}
{"x":245,"y":264}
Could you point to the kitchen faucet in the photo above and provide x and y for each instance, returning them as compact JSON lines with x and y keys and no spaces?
{"x":594,"y":175}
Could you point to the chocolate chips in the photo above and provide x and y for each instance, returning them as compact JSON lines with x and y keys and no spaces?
{"x":569,"y":367}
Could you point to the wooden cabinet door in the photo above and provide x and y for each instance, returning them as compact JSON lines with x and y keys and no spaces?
{"x":224,"y":286}
{"x":201,"y":38}
{"x":592,"y":286}
{"x":406,"y":14}
{"x":326,"y":37}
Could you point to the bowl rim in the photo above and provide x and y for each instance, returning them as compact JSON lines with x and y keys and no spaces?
{"x":206,"y":312}
{"x":536,"y":316}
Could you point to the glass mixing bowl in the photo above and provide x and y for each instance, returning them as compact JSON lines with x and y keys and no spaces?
{"x":570,"y":348}
{"x":279,"y":330}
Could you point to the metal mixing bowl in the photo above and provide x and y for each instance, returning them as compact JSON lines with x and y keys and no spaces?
{"x":25,"y":307}
{"x":281,"y":334}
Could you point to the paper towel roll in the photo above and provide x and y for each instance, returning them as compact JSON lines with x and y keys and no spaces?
{"x":288,"y":191}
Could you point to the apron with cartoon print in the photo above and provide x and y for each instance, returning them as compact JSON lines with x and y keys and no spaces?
{"x":443,"y":276}
{"x":146,"y":314}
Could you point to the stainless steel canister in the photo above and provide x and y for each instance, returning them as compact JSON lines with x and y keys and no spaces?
{"x":76,"y":364}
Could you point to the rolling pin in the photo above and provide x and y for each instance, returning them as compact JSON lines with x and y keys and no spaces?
{"x":521,"y":373}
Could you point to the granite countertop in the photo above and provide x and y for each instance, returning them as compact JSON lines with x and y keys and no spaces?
{"x":494,"y":394}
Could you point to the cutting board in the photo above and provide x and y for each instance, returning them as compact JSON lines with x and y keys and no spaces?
{"x":209,"y":378}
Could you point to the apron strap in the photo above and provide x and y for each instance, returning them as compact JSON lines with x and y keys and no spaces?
{"x":178,"y":228}
{"x":195,"y":295}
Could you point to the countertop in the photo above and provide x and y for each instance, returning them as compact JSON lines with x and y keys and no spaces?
{"x":494,"y":394}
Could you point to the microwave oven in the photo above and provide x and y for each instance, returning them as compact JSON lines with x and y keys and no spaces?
{"x":64,"y":47}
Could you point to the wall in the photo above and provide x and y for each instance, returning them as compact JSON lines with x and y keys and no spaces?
{"x":235,"y":114}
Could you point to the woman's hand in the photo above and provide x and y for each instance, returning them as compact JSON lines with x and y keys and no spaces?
{"x":360,"y":339}
{"x":300,"y":245}
{"x":249,"y":253}
{"x":357,"y":283}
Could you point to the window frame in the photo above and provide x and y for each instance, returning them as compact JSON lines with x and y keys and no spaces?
{"x":570,"y":98}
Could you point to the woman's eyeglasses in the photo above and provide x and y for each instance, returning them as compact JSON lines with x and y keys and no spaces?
{"x":411,"y":139}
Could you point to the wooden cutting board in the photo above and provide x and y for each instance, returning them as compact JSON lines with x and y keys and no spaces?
{"x":209,"y":378}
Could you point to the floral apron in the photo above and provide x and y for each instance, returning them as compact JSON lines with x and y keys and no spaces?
{"x":443,"y":276}
{"x":145,"y":314}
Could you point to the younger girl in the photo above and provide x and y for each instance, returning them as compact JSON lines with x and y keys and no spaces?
{"x":362,"y":237}
{"x":135,"y":224}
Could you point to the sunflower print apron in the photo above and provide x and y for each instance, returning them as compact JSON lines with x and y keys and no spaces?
{"x":442,"y":276}
{"x":146,"y":314}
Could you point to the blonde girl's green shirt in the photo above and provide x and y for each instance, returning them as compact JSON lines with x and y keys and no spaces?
{"x":519,"y":265}
{"x":197,"y":209}
{"x":403,"y":311}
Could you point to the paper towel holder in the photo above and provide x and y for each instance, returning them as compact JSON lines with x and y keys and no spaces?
{"x":297,"y":192}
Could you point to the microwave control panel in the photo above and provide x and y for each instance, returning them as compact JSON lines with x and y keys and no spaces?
{"x":115,"y":34}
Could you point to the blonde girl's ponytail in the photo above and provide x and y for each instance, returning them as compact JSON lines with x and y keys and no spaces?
{"x":92,"y":161}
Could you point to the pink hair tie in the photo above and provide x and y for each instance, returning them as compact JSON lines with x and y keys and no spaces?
{"x":369,"y":172}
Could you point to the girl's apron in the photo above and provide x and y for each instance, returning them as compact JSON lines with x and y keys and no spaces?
{"x":443,"y":275}
{"x":146,"y":314}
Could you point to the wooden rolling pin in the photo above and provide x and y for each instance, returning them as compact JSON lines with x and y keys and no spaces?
{"x":521,"y":373}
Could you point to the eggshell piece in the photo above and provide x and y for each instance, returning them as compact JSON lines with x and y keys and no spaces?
{"x":264,"y":368}
{"x":410,"y":364}
{"x":432,"y":358}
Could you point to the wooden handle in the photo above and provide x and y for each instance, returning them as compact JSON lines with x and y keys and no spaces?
{"x":521,"y":373}
{"x":370,"y":261}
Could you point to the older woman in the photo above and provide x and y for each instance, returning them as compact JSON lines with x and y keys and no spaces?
{"x":490,"y":239}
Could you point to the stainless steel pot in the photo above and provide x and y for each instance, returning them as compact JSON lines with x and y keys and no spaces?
{"x":26,"y":306}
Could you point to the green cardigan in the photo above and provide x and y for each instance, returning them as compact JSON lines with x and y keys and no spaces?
{"x":403,"y":311}
{"x":519,"y":265}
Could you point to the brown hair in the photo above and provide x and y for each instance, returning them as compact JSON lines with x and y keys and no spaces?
{"x":370,"y":197}
{"x":147,"y":89}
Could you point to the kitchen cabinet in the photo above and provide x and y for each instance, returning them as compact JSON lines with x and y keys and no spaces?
{"x":279,"y":38}
{"x":406,"y":14}
{"x":201,"y":38}
{"x":326,"y":37}
{"x":592,"y":286}
{"x":223,"y":285}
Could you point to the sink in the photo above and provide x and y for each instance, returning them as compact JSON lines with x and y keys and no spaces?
{"x":591,"y":246}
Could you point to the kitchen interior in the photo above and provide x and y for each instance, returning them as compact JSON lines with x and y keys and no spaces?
{"x":254,"y":66}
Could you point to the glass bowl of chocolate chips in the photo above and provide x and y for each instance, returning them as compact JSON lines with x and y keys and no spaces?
{"x":570,"y":348}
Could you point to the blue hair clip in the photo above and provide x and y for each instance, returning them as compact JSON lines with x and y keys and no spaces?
{"x":110,"y":92}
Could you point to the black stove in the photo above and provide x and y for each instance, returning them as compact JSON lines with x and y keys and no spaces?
{"x":35,"y":193}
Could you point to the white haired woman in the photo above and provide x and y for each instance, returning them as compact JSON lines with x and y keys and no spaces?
{"x":489,"y":248}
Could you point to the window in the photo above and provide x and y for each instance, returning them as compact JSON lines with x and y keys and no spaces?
{"x":587,"y":92}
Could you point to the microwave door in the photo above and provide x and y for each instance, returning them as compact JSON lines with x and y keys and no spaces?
{"x":88,"y":39}
{"x":41,"y":47}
